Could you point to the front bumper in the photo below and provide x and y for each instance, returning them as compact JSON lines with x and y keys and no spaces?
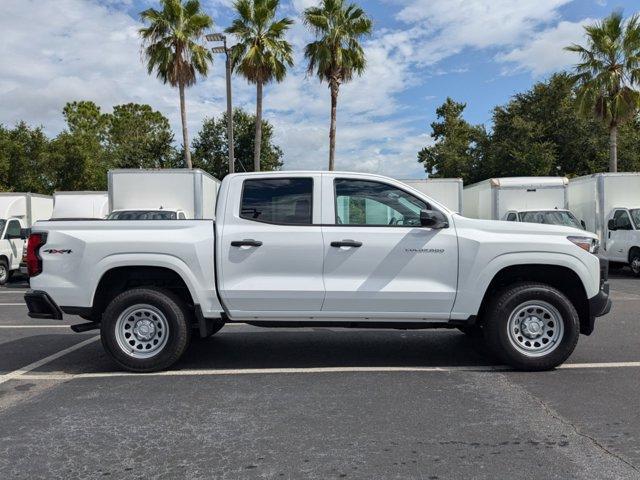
{"x":41,"y":305}
{"x":600,"y":304}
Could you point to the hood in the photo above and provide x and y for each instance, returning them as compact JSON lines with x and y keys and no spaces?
{"x":500,"y":226}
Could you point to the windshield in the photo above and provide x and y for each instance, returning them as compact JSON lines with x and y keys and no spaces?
{"x":142,"y":215}
{"x":635,"y":215}
{"x":551,"y":217}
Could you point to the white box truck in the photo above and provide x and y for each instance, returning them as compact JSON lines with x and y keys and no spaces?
{"x":496,"y":198}
{"x":609,"y":204}
{"x":168,"y":194}
{"x":86,"y":205}
{"x":447,"y":191}
{"x":18,"y":211}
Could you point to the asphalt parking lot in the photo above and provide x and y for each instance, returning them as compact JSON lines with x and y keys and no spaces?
{"x":318,"y":403}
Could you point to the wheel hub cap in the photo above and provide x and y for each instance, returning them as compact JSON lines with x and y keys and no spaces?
{"x":144,"y":330}
{"x":532,"y":327}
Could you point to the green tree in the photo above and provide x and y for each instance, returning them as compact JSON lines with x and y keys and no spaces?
{"x":172,"y":49}
{"x":458,"y":145}
{"x":210,"y":148}
{"x":24,"y":160}
{"x":261,"y":54}
{"x":336,"y":55}
{"x":139,"y":137}
{"x":608,"y":75}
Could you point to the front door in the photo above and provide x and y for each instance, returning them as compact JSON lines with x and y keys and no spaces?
{"x":271,"y":248}
{"x":379,"y":261}
{"x":16,"y":245}
{"x":618,"y":240}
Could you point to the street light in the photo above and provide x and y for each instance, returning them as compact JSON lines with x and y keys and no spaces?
{"x":219,"y":37}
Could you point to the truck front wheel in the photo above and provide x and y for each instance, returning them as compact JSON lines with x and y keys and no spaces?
{"x":4,"y":272}
{"x":532,"y":326}
{"x":145,"y":329}
{"x":634,"y":262}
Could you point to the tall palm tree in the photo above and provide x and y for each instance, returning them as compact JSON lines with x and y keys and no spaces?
{"x":336,"y":55}
{"x":261,"y":54}
{"x":171,"y":49}
{"x":608,"y":75}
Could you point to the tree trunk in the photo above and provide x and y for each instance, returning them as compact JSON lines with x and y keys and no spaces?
{"x":258,"y":140}
{"x":185,"y":134}
{"x":613,"y":148}
{"x":332,"y":129}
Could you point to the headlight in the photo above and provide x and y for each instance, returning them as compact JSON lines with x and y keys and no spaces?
{"x":591,"y":245}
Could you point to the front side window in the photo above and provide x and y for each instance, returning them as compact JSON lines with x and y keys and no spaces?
{"x":635,"y":216}
{"x":622,"y":220}
{"x":286,"y":201}
{"x":13,"y":228}
{"x":364,"y":202}
{"x":512,"y":217}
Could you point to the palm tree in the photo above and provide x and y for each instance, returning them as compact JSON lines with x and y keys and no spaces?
{"x":261,"y":54}
{"x":172,"y":49}
{"x":336,"y":56}
{"x":608,"y":75}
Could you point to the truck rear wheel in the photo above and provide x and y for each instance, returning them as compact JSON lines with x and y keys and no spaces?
{"x":145,"y":329}
{"x":532,"y":326}
{"x":634,"y":262}
{"x":4,"y":272}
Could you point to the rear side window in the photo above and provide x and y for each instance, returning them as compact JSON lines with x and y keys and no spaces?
{"x":286,"y":201}
{"x":511,"y":217}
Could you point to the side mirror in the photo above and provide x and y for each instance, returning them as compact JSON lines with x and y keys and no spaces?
{"x":611,"y":225}
{"x":433,"y":219}
{"x":584,"y":225}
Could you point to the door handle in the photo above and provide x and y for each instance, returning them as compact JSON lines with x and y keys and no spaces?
{"x":248,"y":242}
{"x":346,"y":243}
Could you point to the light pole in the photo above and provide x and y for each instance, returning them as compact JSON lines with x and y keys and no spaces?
{"x":219,"y":37}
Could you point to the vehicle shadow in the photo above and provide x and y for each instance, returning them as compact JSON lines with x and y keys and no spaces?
{"x":334,"y":348}
{"x":275,"y":348}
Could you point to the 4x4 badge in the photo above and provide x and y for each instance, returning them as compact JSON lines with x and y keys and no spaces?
{"x":54,"y":250}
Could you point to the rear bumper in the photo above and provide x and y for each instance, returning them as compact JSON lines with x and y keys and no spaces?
{"x":41,"y":305}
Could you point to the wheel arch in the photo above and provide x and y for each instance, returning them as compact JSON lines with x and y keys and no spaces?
{"x":560,"y":277}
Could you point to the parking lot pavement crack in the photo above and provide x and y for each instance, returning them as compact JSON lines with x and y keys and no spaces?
{"x":552,"y":413}
{"x":532,"y":417}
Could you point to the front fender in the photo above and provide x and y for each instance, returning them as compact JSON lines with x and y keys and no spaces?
{"x":474,"y":283}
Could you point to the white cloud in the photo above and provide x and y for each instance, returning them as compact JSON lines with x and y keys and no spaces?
{"x":444,"y":28}
{"x":545,"y":52}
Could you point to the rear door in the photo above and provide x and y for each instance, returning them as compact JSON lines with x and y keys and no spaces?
{"x":271,"y":248}
{"x":379,"y":261}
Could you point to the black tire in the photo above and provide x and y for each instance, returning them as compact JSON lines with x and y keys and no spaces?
{"x":4,"y":272}
{"x":634,"y":262}
{"x":472,"y":331}
{"x":506,"y":303}
{"x":176,"y":317}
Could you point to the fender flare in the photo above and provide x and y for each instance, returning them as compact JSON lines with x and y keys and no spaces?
{"x":469,"y":298}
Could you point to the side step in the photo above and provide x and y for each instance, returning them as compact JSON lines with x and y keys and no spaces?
{"x":85,"y":327}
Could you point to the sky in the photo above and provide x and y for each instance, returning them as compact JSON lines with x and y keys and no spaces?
{"x":480,"y":52}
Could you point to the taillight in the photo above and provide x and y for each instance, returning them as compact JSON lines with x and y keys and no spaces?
{"x":34,"y":262}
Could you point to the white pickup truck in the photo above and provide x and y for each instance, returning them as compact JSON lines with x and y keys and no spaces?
{"x":319,"y":249}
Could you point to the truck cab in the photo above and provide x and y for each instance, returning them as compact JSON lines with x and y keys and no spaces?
{"x":623,"y":237}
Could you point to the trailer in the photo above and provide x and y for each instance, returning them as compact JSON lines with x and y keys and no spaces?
{"x":18,"y":211}
{"x":494,"y":198}
{"x":447,"y":191}
{"x":162,"y":194}
{"x":609,"y":205}
{"x":86,"y":205}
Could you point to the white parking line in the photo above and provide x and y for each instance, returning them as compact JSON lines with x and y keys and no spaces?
{"x":35,"y":326}
{"x":271,"y":371}
{"x":11,"y":304}
{"x":32,"y":366}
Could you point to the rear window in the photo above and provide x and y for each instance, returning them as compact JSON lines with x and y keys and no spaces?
{"x":286,"y":201}
{"x":142,"y":215}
